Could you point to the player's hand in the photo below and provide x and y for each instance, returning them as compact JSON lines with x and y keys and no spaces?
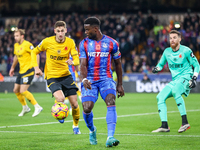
{"x":193,"y":82}
{"x":11,"y":72}
{"x":87,"y":84}
{"x":69,"y":62}
{"x":120,"y":90}
{"x":155,"y":70}
{"x":38,"y":71}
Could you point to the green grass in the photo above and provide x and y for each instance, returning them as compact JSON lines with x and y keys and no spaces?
{"x":137,"y":117}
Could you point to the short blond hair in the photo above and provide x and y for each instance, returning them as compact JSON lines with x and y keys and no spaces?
{"x":60,"y":24}
{"x":21,"y":31}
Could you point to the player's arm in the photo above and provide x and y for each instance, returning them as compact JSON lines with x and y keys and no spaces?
{"x":83,"y":69}
{"x":12,"y":69}
{"x":194,"y":62}
{"x":35,"y":58}
{"x":75,"y":56}
{"x":118,"y":67}
{"x":83,"y":66}
{"x":160,"y":64}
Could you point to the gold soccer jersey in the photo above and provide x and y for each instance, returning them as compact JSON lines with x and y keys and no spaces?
{"x":56,"y":56}
{"x":23,"y":53}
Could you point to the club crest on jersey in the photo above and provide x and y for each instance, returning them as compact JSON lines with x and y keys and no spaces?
{"x":191,"y":54}
{"x":180,"y":56}
{"x":31,"y":47}
{"x":66,"y":48}
{"x":59,"y":51}
{"x":104,"y":45}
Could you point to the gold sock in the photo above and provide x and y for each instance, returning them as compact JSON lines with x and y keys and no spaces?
{"x":76,"y":115}
{"x":21,"y":98}
{"x":79,"y":93}
{"x":29,"y":97}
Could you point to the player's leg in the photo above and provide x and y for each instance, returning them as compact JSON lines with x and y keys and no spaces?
{"x":162,"y":108}
{"x":108,"y":93}
{"x":21,"y":98}
{"x":25,"y":84}
{"x":79,"y":90}
{"x":177,"y":91}
{"x":75,"y":111}
{"x":69,"y":89}
{"x":89,"y":97}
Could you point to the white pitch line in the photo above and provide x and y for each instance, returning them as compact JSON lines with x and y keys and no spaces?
{"x":163,"y":135}
{"x":142,"y":114}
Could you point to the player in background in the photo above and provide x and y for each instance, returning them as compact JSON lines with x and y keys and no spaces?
{"x":75,"y":75}
{"x":180,"y":61}
{"x":22,"y":51}
{"x":58,"y":48}
{"x":96,"y":52}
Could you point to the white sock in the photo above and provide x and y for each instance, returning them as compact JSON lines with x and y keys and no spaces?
{"x":37,"y":105}
{"x":25,"y":107}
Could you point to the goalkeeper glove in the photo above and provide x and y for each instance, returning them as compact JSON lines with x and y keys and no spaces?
{"x":155,"y":70}
{"x":193,"y":82}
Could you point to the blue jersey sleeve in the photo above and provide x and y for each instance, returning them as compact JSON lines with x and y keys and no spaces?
{"x":82,"y":49}
{"x":115,"y":52}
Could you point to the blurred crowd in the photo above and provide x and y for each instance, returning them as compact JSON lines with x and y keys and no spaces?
{"x":141,"y":39}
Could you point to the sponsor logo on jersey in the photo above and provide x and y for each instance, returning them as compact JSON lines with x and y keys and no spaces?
{"x":58,"y":57}
{"x":191,"y":54}
{"x":98,"y":54}
{"x":175,"y":65}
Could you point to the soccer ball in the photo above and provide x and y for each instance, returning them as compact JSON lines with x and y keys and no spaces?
{"x":59,"y":111}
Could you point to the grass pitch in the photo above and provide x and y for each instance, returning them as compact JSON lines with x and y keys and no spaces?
{"x":137,"y":117}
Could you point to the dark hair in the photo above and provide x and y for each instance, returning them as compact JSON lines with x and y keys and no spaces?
{"x":60,"y":24}
{"x":21,"y":31}
{"x":176,"y":32}
{"x":92,"y":21}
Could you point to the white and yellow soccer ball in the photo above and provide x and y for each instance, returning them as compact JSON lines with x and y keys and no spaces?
{"x":59,"y":111}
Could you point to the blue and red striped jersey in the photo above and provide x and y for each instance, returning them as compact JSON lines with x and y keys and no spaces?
{"x":99,"y":55}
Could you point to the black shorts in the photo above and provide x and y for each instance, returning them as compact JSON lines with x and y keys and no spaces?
{"x":26,"y":77}
{"x":66,"y":84}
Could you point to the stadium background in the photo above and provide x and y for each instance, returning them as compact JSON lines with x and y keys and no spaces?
{"x":137,"y":112}
{"x":140,"y":26}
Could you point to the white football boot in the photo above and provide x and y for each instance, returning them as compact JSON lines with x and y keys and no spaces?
{"x":24,"y":111}
{"x":37,"y":111}
{"x":183,"y":128}
{"x":161,"y":130}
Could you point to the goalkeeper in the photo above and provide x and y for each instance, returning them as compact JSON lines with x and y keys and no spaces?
{"x":180,"y":60}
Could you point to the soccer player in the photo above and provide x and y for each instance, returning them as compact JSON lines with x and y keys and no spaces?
{"x":180,"y":61}
{"x":58,"y":49}
{"x":22,"y":51}
{"x":96,"y":52}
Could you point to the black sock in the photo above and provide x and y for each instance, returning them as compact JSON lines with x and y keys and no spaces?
{"x":184,"y":120}
{"x":164,"y":124}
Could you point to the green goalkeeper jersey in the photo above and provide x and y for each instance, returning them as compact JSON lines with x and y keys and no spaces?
{"x":180,"y":62}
